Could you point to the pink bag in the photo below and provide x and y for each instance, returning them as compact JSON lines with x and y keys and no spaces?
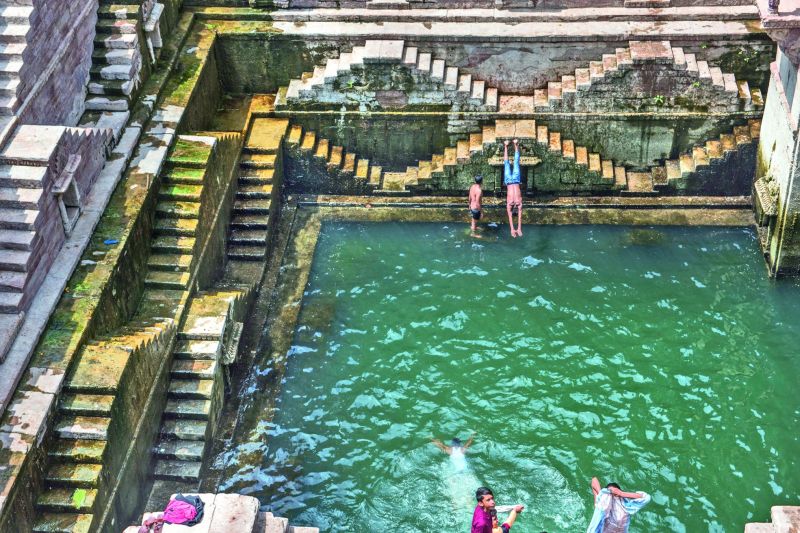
{"x":179,"y":512}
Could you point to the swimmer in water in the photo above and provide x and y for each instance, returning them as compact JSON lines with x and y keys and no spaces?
{"x":456,"y":447}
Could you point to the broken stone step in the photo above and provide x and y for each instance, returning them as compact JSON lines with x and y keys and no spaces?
{"x":83,"y":427}
{"x":20,"y":197}
{"x":196,"y":349}
{"x":177,"y":470}
{"x":180,"y":450}
{"x":170,"y":262}
{"x":15,"y":260}
{"x":173,"y":245}
{"x":11,"y":239}
{"x":251,"y":207}
{"x":184,"y":429}
{"x":18,"y":219}
{"x":249,"y":237}
{"x":169,"y":209}
{"x":250,"y":222}
{"x":86,"y":404}
{"x":63,"y":523}
{"x":190,"y":368}
{"x":190,"y":409}
{"x":167,"y":280}
{"x":82,"y":475}
{"x":186,"y":193}
{"x":202,"y":389}
{"x":247,"y":253}
{"x":258,"y":191}
{"x":67,"y":500}
{"x":77,"y":451}
{"x":176,"y":226}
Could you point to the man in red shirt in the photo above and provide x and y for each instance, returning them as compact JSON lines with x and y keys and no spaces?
{"x":482,"y":517}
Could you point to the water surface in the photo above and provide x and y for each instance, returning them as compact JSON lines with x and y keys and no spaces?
{"x":663,"y":359}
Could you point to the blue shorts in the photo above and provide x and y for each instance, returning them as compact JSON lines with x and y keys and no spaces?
{"x":511,"y":177}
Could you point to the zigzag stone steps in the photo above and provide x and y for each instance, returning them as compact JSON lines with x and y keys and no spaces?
{"x":571,"y":92}
{"x":451,"y":82}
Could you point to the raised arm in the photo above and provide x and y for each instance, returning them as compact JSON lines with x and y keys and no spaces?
{"x":469,"y":441}
{"x":439,"y":444}
{"x":622,"y":494}
{"x":596,"y":486}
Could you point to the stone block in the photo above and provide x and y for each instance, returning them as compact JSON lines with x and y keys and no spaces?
{"x":27,"y":413}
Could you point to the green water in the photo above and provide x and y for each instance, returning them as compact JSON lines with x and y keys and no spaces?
{"x":663,"y":359}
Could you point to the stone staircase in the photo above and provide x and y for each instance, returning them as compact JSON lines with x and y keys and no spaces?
{"x":14,"y":28}
{"x":31,"y":226}
{"x":79,"y":471}
{"x":785,"y":519}
{"x":439,"y":82}
{"x":254,"y":197}
{"x":587,"y":170}
{"x":117,"y":58}
{"x":626,"y":79}
{"x":196,"y":391}
{"x":333,"y":162}
{"x":177,"y":216}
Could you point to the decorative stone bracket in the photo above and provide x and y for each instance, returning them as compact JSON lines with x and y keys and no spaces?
{"x":67,"y":194}
{"x":524,"y":161}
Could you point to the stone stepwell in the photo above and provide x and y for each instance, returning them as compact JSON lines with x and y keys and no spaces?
{"x":584,"y":169}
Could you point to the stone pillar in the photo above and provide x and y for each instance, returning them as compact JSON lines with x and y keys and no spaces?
{"x":777,"y":187}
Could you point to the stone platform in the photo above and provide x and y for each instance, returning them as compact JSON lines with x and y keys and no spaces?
{"x":233,"y":513}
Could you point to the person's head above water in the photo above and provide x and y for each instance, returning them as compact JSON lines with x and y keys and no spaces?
{"x":479,"y":179}
{"x":613,"y":485}
{"x":456,"y":443}
{"x":485,"y":498}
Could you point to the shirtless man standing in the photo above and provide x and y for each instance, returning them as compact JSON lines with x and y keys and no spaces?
{"x":475,"y":195}
{"x":511,"y":179}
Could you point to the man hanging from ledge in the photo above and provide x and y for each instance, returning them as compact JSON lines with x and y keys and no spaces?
{"x":511,"y":179}
{"x":613,"y":508}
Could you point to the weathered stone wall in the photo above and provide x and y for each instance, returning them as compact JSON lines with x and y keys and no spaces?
{"x":491,"y":4}
{"x":260,"y":64}
{"x":57,"y":61}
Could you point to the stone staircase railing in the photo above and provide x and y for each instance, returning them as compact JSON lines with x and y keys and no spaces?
{"x":434,"y":80}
